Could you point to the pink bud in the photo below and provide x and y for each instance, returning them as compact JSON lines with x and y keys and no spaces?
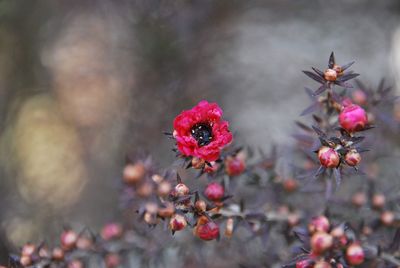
{"x":319,"y":224}
{"x":180,"y":190}
{"x":353,"y":118}
{"x":214,"y":191}
{"x":304,"y":264}
{"x":328,"y":157}
{"x":359,"y":97}
{"x":352,"y":158}
{"x":355,"y":254}
{"x":320,"y":242}
{"x":330,"y":75}
{"x":177,"y":222}
{"x":111,"y":231}
{"x":234,"y":165}
{"x":68,"y":239}
{"x":207,"y":231}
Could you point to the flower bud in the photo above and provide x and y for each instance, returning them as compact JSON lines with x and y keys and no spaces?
{"x":234,"y":165}
{"x":164,"y":188}
{"x":307,"y":263}
{"x":28,"y":249}
{"x":177,"y":222}
{"x":149,"y":218}
{"x":206,"y":230}
{"x":44,"y":252}
{"x":181,"y":190}
{"x":359,"y":97}
{"x":145,"y":189}
{"x":352,"y":158}
{"x":84,"y":243}
{"x":229,"y":227}
{"x":112,"y":260}
{"x":200,"y":205}
{"x":134,"y":173}
{"x":57,"y":254}
{"x":68,"y":239}
{"x":355,"y":254}
{"x":353,"y":118}
{"x":387,"y":218}
{"x":25,"y":260}
{"x":338,"y":69}
{"x":330,"y":75}
{"x":366,"y":230}
{"x":211,"y":169}
{"x":151,"y":207}
{"x":322,"y":264}
{"x":167,"y":211}
{"x":198,"y":163}
{"x":328,"y":157}
{"x":157,"y":178}
{"x":290,"y":185}
{"x":75,"y":264}
{"x":378,"y":201}
{"x":293,"y":219}
{"x":214,"y":191}
{"x":319,"y":224}
{"x":321,"y":242}
{"x":359,"y":199}
{"x":111,"y":231}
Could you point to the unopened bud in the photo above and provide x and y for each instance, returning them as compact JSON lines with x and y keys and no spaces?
{"x":134,"y":173}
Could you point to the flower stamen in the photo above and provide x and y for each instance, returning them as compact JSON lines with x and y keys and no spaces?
{"x":202,"y":132}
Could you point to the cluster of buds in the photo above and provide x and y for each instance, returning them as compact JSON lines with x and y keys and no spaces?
{"x":337,"y":246}
{"x":382,"y":207}
{"x":337,"y":151}
{"x":74,"y":250}
{"x":328,"y":246}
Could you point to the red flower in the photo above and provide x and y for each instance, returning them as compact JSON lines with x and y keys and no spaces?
{"x":200,"y":132}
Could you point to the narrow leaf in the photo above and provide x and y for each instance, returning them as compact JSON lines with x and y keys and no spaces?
{"x":314,"y":77}
{"x":331,"y":60}
{"x":310,"y":109}
{"x":346,"y":66}
{"x":320,"y":90}
{"x":347,"y":77}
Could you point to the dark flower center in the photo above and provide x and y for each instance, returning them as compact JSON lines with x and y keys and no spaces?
{"x":202,"y":133}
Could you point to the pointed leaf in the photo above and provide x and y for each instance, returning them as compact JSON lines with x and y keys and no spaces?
{"x":304,"y":126}
{"x":310,"y":93}
{"x":348,"y":76}
{"x":320,"y":170}
{"x":338,"y":177}
{"x":346,"y":66}
{"x":310,"y":109}
{"x":320,"y":90}
{"x":343,"y":84}
{"x":331,"y":60}
{"x":315,"y":77}
{"x":319,"y":131}
{"x":319,"y":72}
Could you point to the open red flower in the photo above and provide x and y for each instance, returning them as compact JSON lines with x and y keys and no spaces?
{"x":201,"y":132}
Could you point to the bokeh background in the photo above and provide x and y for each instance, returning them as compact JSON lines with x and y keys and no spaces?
{"x":83,"y":83}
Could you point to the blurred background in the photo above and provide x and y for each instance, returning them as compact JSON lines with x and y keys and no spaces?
{"x":83,"y":83}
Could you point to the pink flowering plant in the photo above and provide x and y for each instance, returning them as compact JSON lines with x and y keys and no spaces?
{"x":229,"y":193}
